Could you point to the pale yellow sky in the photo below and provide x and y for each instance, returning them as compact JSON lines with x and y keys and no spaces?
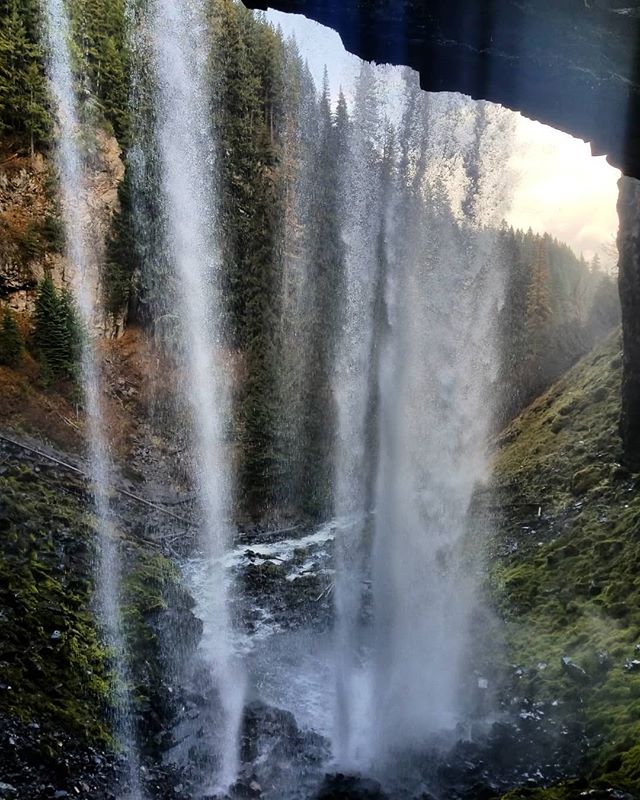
{"x":559,"y":187}
{"x":563,"y":189}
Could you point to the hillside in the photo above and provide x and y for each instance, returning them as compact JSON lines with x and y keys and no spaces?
{"x":564,"y":571}
{"x":58,"y":694}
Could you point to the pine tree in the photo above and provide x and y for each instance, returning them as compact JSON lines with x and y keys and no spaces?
{"x":11,"y":343}
{"x":56,"y":332}
{"x":23,"y":93}
{"x":122,"y":263}
{"x":539,"y":311}
{"x":100,"y":38}
{"x":325,"y":249}
{"x":246,"y":73}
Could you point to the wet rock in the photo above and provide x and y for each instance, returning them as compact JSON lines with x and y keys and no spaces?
{"x":599,"y":394}
{"x":574,"y":671}
{"x":278,"y":753}
{"x":350,"y":787}
{"x":585,"y":479}
{"x":266,"y":729}
{"x":245,"y":788}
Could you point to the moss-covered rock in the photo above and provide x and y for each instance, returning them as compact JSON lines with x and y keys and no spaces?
{"x":565,"y":577}
{"x":52,"y":665}
{"x":56,"y":688}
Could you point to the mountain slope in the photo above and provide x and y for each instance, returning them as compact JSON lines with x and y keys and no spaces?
{"x":565,"y":570}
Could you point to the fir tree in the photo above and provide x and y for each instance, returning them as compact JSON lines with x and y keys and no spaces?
{"x":56,"y":332}
{"x":325,"y":249}
{"x":11,"y":342}
{"x":100,"y":38}
{"x":122,"y":263}
{"x":538,"y":311}
{"x":23,"y":93}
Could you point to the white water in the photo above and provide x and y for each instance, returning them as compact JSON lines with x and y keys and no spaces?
{"x":436,"y":369}
{"x":397,"y":681}
{"x":402,"y":683}
{"x":79,"y":251}
{"x":187,"y":161}
{"x":352,"y":377}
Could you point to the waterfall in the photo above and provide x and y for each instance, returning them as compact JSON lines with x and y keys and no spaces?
{"x":413,"y":385}
{"x":437,"y":364}
{"x":187,"y":158}
{"x":389,"y":296}
{"x":80,"y":251}
{"x":352,"y":381}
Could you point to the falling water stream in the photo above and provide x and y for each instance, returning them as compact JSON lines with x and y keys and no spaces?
{"x":81,"y":256}
{"x":439,"y":282}
{"x":411,"y":378}
{"x":187,"y":164}
{"x":363,"y":196}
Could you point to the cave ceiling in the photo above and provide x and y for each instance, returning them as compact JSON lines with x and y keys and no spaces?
{"x":572,"y":64}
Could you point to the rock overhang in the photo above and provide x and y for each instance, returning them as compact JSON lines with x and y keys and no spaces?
{"x":571,"y":64}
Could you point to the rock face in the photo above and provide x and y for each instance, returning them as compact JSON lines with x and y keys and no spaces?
{"x":32,"y":240}
{"x":106,"y":170}
{"x":629,"y":284}
{"x":27,"y":215}
{"x":564,"y":548}
{"x":571,"y":64}
{"x":55,"y":684}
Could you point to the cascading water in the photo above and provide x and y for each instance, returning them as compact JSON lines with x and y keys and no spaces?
{"x":187,"y":166}
{"x":436,"y":368}
{"x":433,"y":355}
{"x":418,"y":294}
{"x":352,"y":383}
{"x":79,"y":251}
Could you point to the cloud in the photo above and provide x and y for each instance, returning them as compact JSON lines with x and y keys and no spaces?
{"x":562,"y":189}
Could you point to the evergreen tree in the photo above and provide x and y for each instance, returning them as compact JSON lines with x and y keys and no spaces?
{"x":23,"y":92}
{"x":538,"y":310}
{"x":56,"y":331}
{"x":325,"y":249}
{"x":122,"y":263}
{"x":11,"y":342}
{"x":296,"y":338}
{"x":247,"y":79}
{"x":102,"y":58}
{"x":556,"y":308}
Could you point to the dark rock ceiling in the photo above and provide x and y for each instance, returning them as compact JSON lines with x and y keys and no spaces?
{"x":572,"y":64}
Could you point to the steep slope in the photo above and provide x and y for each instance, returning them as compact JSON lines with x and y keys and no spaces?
{"x":56,"y":689}
{"x":565,"y":572}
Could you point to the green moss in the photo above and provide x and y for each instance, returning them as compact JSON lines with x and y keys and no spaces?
{"x":565,"y":564}
{"x":51,"y":657}
{"x":145,"y":593}
{"x":54,"y":669}
{"x":569,"y":791}
{"x":554,"y":793}
{"x":152,"y":587}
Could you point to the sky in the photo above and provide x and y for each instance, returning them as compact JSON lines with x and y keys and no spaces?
{"x":560,"y":188}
